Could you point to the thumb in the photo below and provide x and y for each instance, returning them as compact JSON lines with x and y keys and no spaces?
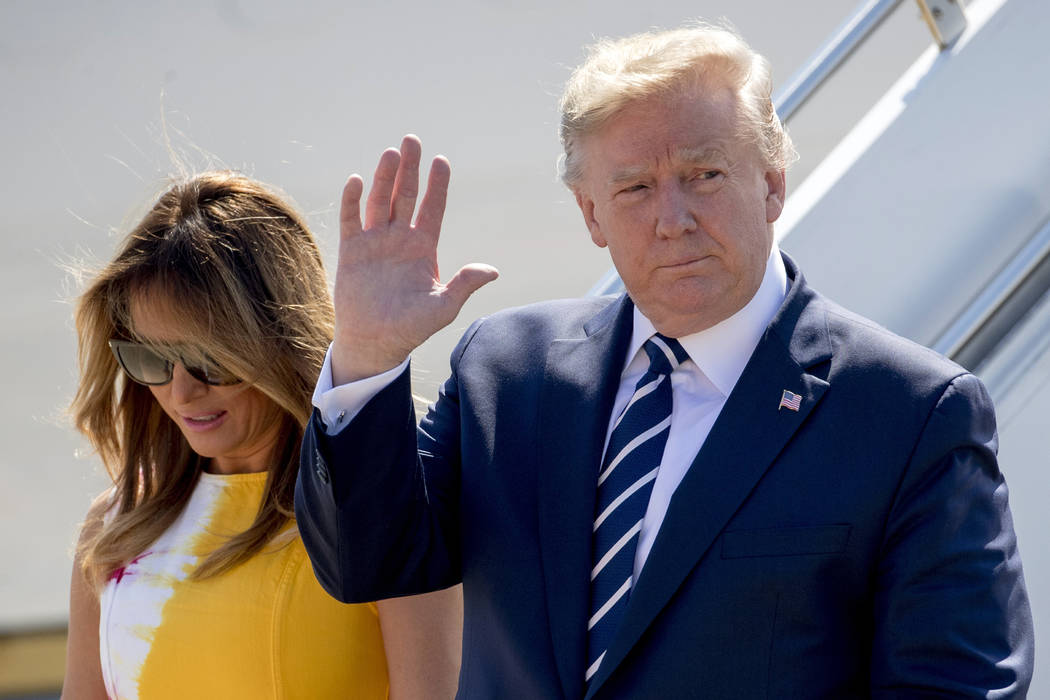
{"x":468,"y":280}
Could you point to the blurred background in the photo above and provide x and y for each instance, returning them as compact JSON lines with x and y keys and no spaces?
{"x":104,"y":100}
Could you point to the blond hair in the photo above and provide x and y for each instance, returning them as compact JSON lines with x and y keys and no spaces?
{"x":661,"y":64}
{"x":242,"y":278}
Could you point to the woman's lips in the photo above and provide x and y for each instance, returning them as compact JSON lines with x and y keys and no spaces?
{"x":201,"y":422}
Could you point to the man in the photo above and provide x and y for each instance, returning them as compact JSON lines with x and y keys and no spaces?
{"x":718,"y":485}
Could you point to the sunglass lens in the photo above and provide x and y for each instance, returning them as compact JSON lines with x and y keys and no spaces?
{"x":213,"y":374}
{"x":144,"y":365}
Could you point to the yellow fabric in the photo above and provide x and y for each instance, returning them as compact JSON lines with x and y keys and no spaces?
{"x":265,"y":629}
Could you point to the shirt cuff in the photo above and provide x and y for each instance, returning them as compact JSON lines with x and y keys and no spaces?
{"x":339,"y":404}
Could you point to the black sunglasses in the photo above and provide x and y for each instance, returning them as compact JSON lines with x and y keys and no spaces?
{"x":145,"y":365}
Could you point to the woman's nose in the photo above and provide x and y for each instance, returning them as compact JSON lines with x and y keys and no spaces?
{"x":184,"y":386}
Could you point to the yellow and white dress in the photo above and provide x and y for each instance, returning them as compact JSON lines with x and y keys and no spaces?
{"x":264,"y":629}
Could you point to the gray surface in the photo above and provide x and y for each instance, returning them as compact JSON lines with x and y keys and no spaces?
{"x":953,"y":185}
{"x":98,"y":97}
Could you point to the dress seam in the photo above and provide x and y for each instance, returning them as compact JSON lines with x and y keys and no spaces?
{"x":278,"y":621}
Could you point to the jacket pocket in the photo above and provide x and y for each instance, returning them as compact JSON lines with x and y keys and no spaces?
{"x":783,"y":542}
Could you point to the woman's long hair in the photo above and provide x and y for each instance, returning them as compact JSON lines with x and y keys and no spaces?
{"x":241,"y":276}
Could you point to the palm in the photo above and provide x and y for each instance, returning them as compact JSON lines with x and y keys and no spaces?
{"x":389,"y":296}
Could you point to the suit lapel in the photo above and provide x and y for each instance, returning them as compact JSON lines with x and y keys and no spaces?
{"x":745,"y":440}
{"x":577,"y":397}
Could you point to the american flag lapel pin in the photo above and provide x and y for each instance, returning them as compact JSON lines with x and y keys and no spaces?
{"x":790,"y":401}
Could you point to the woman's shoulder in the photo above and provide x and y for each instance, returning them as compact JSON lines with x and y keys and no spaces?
{"x":97,"y":514}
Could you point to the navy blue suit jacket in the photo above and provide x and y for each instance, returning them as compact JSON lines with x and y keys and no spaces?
{"x":859,"y":547}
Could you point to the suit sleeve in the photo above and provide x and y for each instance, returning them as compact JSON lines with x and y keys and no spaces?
{"x":951,"y":612}
{"x":377,"y":503}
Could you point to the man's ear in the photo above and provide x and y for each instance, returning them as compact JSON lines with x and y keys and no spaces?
{"x":776,"y":189}
{"x":586,"y":205}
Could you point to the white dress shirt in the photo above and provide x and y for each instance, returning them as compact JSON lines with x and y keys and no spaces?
{"x":700,"y":387}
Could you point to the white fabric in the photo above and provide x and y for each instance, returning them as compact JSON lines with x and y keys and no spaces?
{"x":339,"y":404}
{"x":700,"y":387}
{"x":132,"y":602}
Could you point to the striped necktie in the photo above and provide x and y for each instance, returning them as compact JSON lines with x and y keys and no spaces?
{"x":625,"y":482}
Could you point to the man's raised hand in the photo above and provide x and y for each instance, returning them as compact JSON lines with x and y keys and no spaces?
{"x":389,"y":296}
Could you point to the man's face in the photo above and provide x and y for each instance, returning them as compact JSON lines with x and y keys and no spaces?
{"x":684,"y":205}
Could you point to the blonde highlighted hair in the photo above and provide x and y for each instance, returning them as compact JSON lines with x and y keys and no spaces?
{"x":239,"y":273}
{"x":666,"y":63}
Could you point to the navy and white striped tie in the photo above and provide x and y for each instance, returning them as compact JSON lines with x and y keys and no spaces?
{"x":632,"y":460}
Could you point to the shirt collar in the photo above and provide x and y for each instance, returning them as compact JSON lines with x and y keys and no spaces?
{"x":722,"y":351}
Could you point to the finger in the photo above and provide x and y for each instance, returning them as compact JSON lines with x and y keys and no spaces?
{"x":468,"y":280}
{"x":350,"y":207}
{"x":377,"y":209}
{"x":406,"y":185}
{"x":432,"y":210}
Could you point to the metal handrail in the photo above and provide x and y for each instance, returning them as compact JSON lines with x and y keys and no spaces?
{"x":986,"y":321}
{"x":823,"y":64}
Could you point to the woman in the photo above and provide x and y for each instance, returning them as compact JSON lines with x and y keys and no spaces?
{"x":199,"y":345}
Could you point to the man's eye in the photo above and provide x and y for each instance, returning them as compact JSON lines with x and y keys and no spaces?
{"x":707,"y":174}
{"x":637,"y":187}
